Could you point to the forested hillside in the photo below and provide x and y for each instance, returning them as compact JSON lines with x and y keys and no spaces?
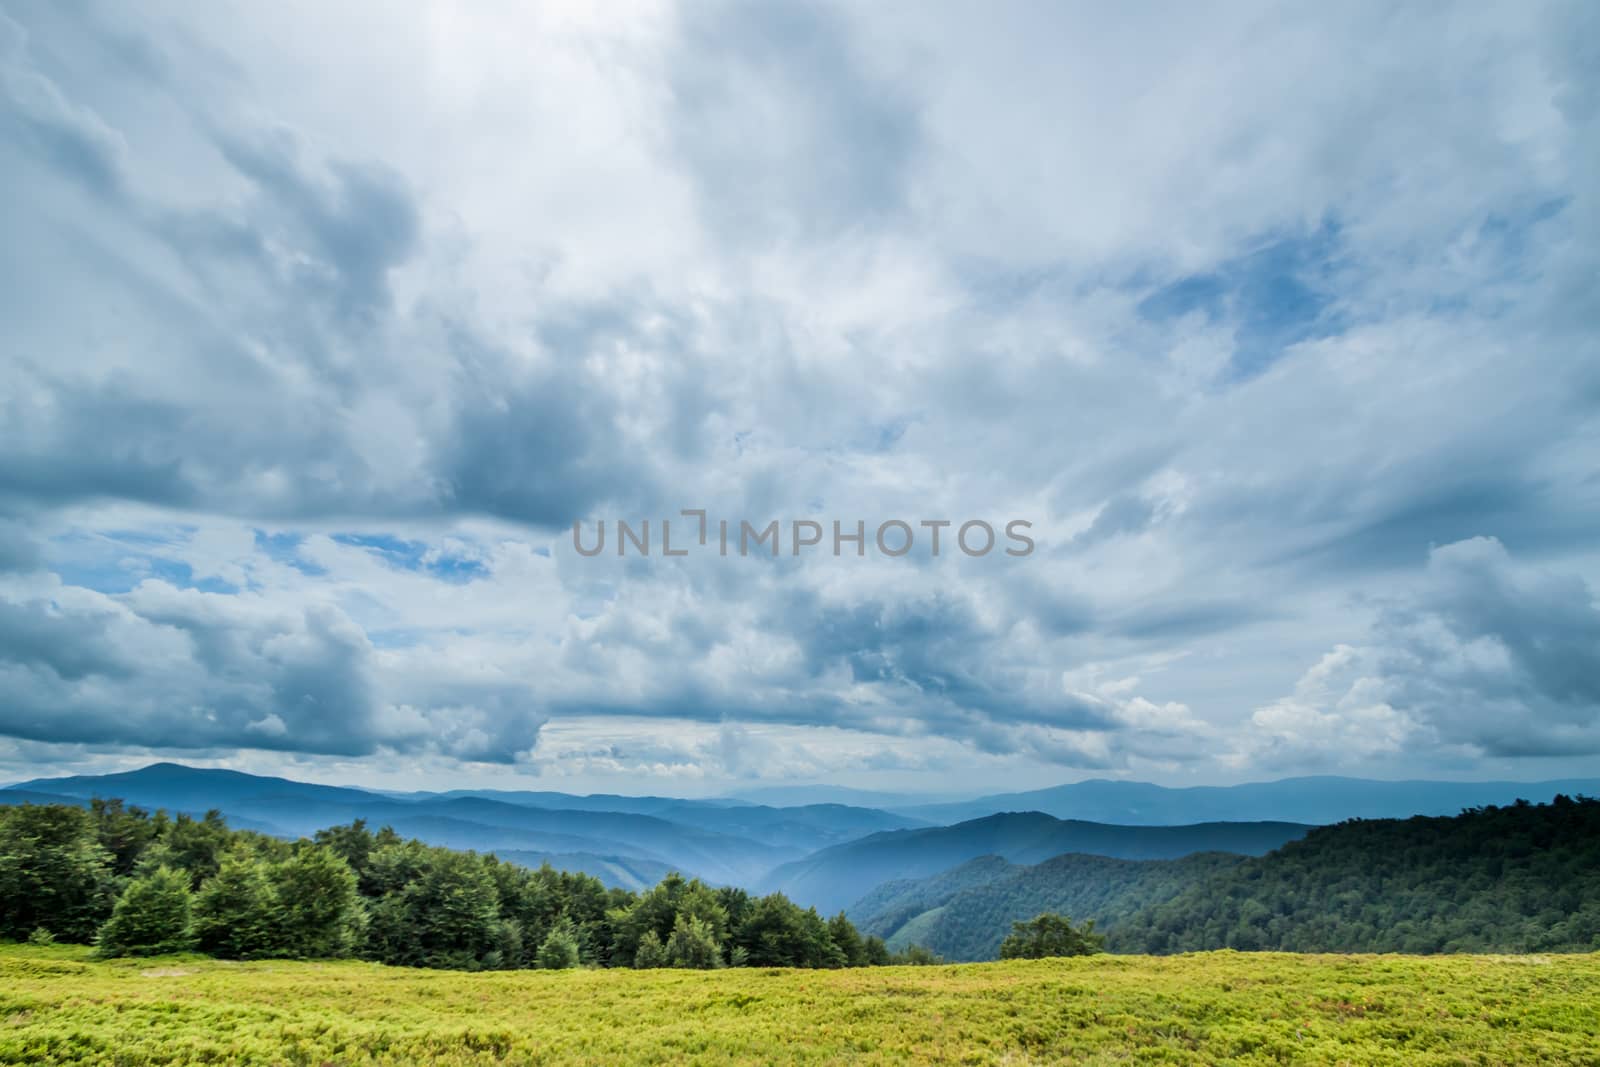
{"x":135,"y":882}
{"x":963,"y":914}
{"x":837,"y":877}
{"x":1522,"y":878}
{"x":890,"y":906}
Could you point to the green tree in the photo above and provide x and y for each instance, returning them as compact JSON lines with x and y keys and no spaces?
{"x":876,"y":951}
{"x":151,"y":917}
{"x":916,"y":956}
{"x":124,"y":831}
{"x":693,"y":945}
{"x":657,"y":911}
{"x":507,"y":950}
{"x":354,"y":844}
{"x":649,"y":952}
{"x":778,"y":933}
{"x":54,"y":873}
{"x":315,"y":909}
{"x":452,"y":910}
{"x":234,"y":911}
{"x":389,"y":934}
{"x":1049,"y":934}
{"x":393,"y":866}
{"x":193,"y":846}
{"x":559,"y":949}
{"x":847,"y":939}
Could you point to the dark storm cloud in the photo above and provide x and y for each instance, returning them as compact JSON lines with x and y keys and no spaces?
{"x":1525,"y":512}
{"x":541,"y":445}
{"x":72,"y":647}
{"x":133,"y":670}
{"x":163,"y":667}
{"x":1502,"y":659}
{"x":1479,"y":657}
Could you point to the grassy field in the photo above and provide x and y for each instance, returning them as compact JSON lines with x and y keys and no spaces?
{"x":58,"y":1007}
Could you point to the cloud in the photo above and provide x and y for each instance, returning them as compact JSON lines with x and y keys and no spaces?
{"x":246,"y":353}
{"x":304,"y":382}
{"x":69,"y":138}
{"x":786,"y":131}
{"x":362,"y":222}
{"x":164,"y":667}
{"x":1483,"y":658}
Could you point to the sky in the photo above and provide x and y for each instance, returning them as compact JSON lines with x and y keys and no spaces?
{"x":325,"y":323}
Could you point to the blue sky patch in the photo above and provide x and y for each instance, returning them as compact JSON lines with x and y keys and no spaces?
{"x":417,"y":556}
{"x":1276,"y":296}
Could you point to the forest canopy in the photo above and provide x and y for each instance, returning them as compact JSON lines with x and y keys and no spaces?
{"x":1519,"y":878}
{"x":137,"y":882}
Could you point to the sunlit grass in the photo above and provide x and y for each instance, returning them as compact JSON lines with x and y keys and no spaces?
{"x":58,"y":1006}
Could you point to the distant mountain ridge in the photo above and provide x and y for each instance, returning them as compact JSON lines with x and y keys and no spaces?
{"x":1318,"y":800}
{"x":181,"y":786}
{"x":837,"y":877}
{"x":829,"y":854}
{"x":719,"y":840}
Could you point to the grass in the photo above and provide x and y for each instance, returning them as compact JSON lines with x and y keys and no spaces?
{"x":58,"y":1006}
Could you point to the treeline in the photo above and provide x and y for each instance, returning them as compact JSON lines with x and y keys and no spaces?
{"x":136,"y":883}
{"x":1521,"y":878}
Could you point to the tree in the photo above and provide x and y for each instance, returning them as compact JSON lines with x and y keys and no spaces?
{"x":531,"y":899}
{"x":650,"y":952}
{"x":1049,"y":934}
{"x":124,"y":831}
{"x":151,"y":917}
{"x":876,"y":951}
{"x":392,"y":867}
{"x":916,"y":956}
{"x":54,"y":873}
{"x":452,"y":910}
{"x":315,"y":909}
{"x":842,"y":932}
{"x":234,"y":911}
{"x":559,"y":950}
{"x":506,"y":954}
{"x":657,"y":911}
{"x":354,"y":844}
{"x":693,"y":945}
{"x":778,"y":933}
{"x":389,"y":935}
{"x":194,"y":846}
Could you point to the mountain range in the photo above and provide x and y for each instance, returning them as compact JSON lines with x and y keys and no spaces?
{"x":1318,"y":800}
{"x":816,"y":849}
{"x":1516,"y":878}
{"x":723,"y":843}
{"x":836,"y":877}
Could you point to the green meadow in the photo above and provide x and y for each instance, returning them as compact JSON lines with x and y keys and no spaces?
{"x":59,"y":1005}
